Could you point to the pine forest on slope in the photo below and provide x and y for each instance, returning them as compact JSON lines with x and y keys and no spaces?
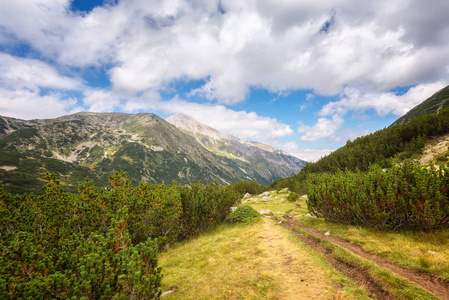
{"x":404,"y":139}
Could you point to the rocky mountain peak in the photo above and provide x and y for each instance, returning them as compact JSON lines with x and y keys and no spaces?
{"x":187,"y":123}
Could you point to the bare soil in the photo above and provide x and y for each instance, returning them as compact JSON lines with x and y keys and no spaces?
{"x":426,"y":281}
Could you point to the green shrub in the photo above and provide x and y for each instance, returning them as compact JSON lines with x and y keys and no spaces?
{"x":245,"y":214}
{"x":252,"y":187}
{"x":292,"y":197}
{"x":99,"y":243}
{"x":406,"y":195}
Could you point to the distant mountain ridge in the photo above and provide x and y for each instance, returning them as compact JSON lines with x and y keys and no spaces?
{"x":263,"y":157}
{"x":431,"y":105}
{"x":145,"y":146}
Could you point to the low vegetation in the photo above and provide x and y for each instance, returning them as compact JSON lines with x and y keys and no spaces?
{"x":99,"y":244}
{"x":244,"y":214}
{"x":406,"y":195}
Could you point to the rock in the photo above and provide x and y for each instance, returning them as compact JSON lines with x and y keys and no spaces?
{"x":285,"y":191}
{"x":247,"y":195}
{"x":431,"y":252}
{"x":303,"y":197}
{"x":171,"y":290}
{"x":309,"y":215}
{"x":328,"y":233}
{"x":233,"y":208}
{"x":264,"y":211}
{"x":264,"y":194}
{"x":280,"y":222}
{"x":266,"y":199}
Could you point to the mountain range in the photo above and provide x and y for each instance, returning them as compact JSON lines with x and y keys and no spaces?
{"x":145,"y":146}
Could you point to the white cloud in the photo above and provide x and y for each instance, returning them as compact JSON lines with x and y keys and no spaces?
{"x":273,"y":45}
{"x":18,"y":73}
{"x":324,"y":128}
{"x":242,"y":124}
{"x":31,"y":89}
{"x":25,"y":104}
{"x":309,"y":155}
{"x":382,"y":102}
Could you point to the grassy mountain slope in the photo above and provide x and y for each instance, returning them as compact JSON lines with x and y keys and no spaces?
{"x":432,"y":105}
{"x":145,"y":146}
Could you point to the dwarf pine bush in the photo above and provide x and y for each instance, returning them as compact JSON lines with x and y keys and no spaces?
{"x":99,"y":244}
{"x":405,"y":195}
{"x":244,"y":214}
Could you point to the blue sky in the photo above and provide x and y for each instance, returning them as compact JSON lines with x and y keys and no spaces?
{"x":304,"y":76}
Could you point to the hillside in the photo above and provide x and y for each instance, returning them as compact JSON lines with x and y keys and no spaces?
{"x":384,"y":147}
{"x":432,"y":105}
{"x":145,"y":146}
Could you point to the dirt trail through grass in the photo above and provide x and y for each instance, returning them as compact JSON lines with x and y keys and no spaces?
{"x":426,"y":281}
{"x":257,"y":261}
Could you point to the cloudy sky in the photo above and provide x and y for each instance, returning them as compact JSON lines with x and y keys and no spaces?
{"x":302,"y":75}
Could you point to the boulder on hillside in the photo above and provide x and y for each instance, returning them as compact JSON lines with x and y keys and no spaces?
{"x":266,"y":199}
{"x":247,"y":195}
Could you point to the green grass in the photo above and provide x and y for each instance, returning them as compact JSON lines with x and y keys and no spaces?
{"x":398,"y":287}
{"x":425,"y":251}
{"x":255,"y":261}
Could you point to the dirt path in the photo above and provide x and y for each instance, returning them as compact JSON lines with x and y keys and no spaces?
{"x":426,"y":281}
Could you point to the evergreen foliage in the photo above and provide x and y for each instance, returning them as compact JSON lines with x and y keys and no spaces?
{"x":292,"y":197}
{"x":383,"y":148}
{"x":404,"y":140}
{"x":244,"y":214}
{"x":99,"y":244}
{"x":251,"y":187}
{"x":407,"y":195}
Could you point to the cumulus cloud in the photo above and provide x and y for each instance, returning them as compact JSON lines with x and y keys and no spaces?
{"x":30,"y":89}
{"x":25,"y":104}
{"x":17,"y":73}
{"x":307,"y":154}
{"x":234,"y":46}
{"x":324,"y":128}
{"x":382,"y":103}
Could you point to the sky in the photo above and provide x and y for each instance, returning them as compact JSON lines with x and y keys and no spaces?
{"x":302,"y":75}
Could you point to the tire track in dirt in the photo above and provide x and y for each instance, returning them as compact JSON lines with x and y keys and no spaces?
{"x":426,"y":281}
